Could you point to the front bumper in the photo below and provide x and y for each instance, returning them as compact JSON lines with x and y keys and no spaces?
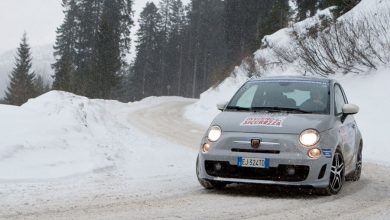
{"x":306,"y":172}
{"x":287,"y":155}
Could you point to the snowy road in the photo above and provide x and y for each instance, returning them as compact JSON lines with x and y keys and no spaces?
{"x":111,"y":194}
{"x":358,"y":200}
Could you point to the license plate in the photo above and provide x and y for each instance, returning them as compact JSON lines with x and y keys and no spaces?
{"x":252,"y":162}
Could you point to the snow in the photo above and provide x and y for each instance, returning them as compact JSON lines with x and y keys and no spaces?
{"x":369,"y":90}
{"x":204,"y":110}
{"x":370,"y":93}
{"x":60,"y":134}
{"x":148,"y":177}
{"x":66,"y":155}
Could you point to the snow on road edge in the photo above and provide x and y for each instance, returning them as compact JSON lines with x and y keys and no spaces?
{"x":60,"y":134}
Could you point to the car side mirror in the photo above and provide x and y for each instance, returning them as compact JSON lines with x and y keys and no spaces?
{"x":350,"y":109}
{"x":222,"y":106}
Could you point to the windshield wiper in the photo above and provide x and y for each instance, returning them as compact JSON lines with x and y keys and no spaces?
{"x":279,"y":109}
{"x":238,"y":108}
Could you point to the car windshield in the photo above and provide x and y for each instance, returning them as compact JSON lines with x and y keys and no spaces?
{"x":300,"y":96}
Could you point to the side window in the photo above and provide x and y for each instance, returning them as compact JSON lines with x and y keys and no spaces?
{"x":246,"y":99}
{"x":339,"y":99}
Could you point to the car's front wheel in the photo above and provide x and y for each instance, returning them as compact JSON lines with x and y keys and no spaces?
{"x":337,"y":175}
{"x":208,"y":184}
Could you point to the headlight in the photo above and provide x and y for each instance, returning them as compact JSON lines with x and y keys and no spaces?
{"x":214,"y":133}
{"x":309,"y":137}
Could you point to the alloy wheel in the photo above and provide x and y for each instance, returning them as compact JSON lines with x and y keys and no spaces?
{"x":337,"y":173}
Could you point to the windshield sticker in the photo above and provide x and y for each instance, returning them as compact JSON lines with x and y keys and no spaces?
{"x":263,"y":121}
{"x":324,"y":83}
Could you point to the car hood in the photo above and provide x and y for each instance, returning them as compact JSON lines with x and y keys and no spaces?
{"x":280,"y":123}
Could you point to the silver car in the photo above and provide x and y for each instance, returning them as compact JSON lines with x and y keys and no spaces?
{"x":286,"y":131}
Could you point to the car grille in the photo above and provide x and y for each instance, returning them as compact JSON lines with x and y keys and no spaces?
{"x":273,"y":173}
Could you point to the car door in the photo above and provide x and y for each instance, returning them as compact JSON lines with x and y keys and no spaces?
{"x":347,"y":127}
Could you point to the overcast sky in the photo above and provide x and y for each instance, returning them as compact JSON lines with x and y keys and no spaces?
{"x":39,"y":18}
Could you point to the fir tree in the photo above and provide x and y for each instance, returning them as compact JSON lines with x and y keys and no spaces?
{"x":207,"y":42}
{"x":91,"y":46}
{"x":306,"y":8}
{"x":88,"y":25}
{"x":342,"y":6}
{"x":41,"y":86}
{"x":65,"y":48}
{"x":22,"y":86}
{"x":108,"y":62}
{"x":147,"y":65}
{"x":173,"y":46}
{"x":278,"y":17}
{"x":245,"y":25}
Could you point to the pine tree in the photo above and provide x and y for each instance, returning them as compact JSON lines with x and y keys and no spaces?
{"x":245,"y":26}
{"x":342,"y":6}
{"x":172,"y":48}
{"x":92,"y":45}
{"x":22,"y":86}
{"x":41,"y":86}
{"x":88,"y":25}
{"x":147,"y":65}
{"x":65,"y":48}
{"x":108,"y":59}
{"x":306,"y":8}
{"x":207,"y":42}
{"x":165,"y":12}
{"x":278,"y":16}
{"x":188,"y":49}
{"x":125,"y":91}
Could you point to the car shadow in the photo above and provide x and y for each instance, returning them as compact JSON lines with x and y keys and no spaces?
{"x":285,"y":192}
{"x":266,"y":191}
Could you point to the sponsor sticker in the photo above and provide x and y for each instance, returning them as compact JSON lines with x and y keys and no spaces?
{"x":327,"y":153}
{"x":263,"y":120}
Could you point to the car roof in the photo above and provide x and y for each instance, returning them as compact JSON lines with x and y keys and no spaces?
{"x":292,"y":78}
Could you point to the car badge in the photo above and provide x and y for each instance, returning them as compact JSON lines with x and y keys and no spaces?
{"x":255,"y":143}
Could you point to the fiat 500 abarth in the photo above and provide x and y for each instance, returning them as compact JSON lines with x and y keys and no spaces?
{"x":283,"y":131}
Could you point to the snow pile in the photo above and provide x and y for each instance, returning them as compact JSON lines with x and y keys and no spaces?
{"x":369,"y":90}
{"x":57,"y":134}
{"x":60,"y":134}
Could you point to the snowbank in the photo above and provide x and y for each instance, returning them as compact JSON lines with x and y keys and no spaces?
{"x":57,"y":134}
{"x":369,"y":91}
{"x":60,"y":134}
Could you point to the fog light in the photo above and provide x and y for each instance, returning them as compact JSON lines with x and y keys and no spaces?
{"x":217,"y":166}
{"x":314,"y":153}
{"x":290,"y":171}
{"x":205,"y":148}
